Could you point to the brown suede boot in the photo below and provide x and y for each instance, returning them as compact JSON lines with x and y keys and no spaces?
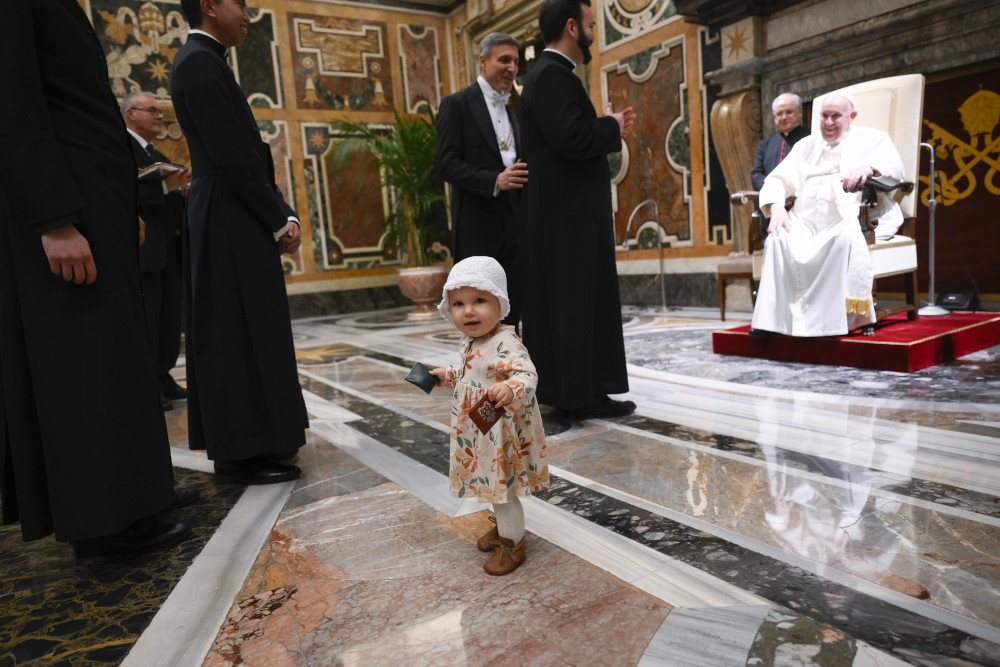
{"x":506,"y":556}
{"x":485,"y":543}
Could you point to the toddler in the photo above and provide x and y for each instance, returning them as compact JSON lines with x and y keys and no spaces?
{"x":509,"y":460}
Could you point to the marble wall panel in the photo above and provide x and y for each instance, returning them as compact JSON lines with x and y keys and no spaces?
{"x":275,"y":133}
{"x":340,"y":63}
{"x":171,"y":140}
{"x":256,"y":62}
{"x":655,"y":161}
{"x":140,"y":40}
{"x":625,"y":19}
{"x":739,"y":41}
{"x":346,"y":203}
{"x":420,"y":65}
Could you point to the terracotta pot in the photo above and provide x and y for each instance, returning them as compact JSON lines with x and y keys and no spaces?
{"x":422,"y":285}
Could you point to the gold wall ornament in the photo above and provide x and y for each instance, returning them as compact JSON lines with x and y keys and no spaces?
{"x":980,"y":115}
{"x":152,"y":20}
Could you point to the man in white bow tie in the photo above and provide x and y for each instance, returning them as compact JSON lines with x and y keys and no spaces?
{"x":478,"y":144}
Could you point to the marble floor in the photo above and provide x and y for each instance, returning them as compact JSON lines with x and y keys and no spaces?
{"x":749,"y":513}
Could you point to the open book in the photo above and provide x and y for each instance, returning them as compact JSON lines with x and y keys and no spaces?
{"x":161,"y":169}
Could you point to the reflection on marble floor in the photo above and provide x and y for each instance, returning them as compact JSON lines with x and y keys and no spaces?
{"x":751,"y":512}
{"x":57,"y":610}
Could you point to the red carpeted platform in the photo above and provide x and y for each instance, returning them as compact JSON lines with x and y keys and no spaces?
{"x":898,"y":345}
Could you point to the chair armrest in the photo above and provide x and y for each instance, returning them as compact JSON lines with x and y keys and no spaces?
{"x":882,"y":185}
{"x":745,"y":197}
{"x":875,"y":185}
{"x":757,"y":230}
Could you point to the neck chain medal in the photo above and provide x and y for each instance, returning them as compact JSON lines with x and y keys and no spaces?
{"x":506,"y":143}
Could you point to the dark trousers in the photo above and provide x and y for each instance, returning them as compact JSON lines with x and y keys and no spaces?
{"x":161,"y":292}
{"x":509,"y":260}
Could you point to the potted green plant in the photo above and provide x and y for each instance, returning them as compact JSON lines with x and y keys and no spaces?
{"x":404,"y":154}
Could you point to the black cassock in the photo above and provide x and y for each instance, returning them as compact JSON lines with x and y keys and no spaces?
{"x":244,"y":397}
{"x":85,"y":449}
{"x":772,"y":151}
{"x":572,"y":309}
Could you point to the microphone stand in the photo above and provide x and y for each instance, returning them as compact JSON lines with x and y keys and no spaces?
{"x":931,"y":309}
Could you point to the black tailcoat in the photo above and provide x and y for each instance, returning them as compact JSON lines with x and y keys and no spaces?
{"x":769,"y":154}
{"x":244,"y":397}
{"x":84,"y":445}
{"x":468,"y":157}
{"x":160,"y":260}
{"x":572,"y":309}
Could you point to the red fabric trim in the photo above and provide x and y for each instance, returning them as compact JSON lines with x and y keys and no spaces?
{"x":898,"y":344}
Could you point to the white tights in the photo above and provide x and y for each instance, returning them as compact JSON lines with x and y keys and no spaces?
{"x":510,"y":516}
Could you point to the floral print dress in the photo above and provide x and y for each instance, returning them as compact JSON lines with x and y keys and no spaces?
{"x":486,"y":465}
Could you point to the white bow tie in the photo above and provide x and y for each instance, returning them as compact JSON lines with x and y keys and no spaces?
{"x":497,"y":98}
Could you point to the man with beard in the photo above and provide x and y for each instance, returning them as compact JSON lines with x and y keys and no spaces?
{"x":245,"y":404}
{"x":572,"y":309}
{"x":478,"y":142}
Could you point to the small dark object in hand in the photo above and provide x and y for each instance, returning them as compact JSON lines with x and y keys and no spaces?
{"x":485,"y":414}
{"x":420,"y":375}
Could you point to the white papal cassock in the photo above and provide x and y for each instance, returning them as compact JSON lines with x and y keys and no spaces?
{"x":816,"y":280}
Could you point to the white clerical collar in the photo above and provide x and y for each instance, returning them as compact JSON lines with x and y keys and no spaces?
{"x":142,"y":142}
{"x":195,"y":31}
{"x":492,"y":95}
{"x":573,"y":62}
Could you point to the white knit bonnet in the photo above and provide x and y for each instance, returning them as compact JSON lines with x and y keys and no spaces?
{"x":482,"y":273}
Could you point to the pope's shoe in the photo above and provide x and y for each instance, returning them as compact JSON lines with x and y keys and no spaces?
{"x":506,"y":557}
{"x":485,"y":543}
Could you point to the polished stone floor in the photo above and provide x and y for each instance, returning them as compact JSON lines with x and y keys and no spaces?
{"x":749,"y":513}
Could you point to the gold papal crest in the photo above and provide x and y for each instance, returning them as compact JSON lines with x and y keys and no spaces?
{"x":981,"y":117}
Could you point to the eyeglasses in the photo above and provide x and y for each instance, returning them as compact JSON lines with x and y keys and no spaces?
{"x":152,"y":110}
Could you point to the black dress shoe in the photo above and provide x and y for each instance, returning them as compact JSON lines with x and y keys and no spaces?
{"x":255,"y":471}
{"x":279,"y":457}
{"x":606,"y":408}
{"x":761,"y":333}
{"x":174,"y":391}
{"x":183,"y":496}
{"x":165,"y":404}
{"x":147,"y":534}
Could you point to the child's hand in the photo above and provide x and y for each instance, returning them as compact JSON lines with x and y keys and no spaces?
{"x":500,"y":394}
{"x":441,"y":374}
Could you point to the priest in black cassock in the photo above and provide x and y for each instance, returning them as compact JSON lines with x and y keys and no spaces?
{"x":245,"y":404}
{"x":572,"y":310}
{"x":84,"y":445}
{"x":786,"y":109}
